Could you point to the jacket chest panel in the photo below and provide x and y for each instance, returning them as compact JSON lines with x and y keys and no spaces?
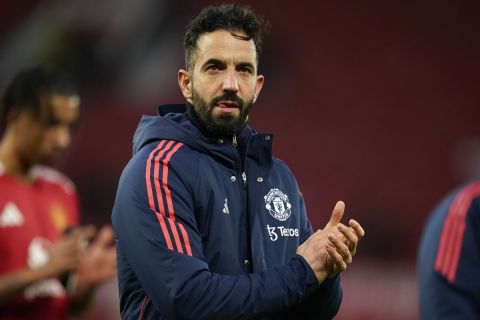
{"x":221,"y":214}
{"x":240,"y":221}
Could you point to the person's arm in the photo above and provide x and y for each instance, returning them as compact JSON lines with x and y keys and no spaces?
{"x":327,"y":298}
{"x":449,"y":258}
{"x":16,"y":281}
{"x":156,"y":231}
{"x":97,"y":266}
{"x":65,"y":256}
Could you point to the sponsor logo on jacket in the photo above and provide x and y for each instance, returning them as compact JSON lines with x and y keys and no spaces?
{"x":275,"y":232}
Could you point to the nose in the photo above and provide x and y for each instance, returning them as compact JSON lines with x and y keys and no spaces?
{"x":230,"y":82}
{"x":63,"y":138}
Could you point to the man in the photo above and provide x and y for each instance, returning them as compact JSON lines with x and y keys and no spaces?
{"x":449,"y":257}
{"x":47,"y":268}
{"x":209,"y":225}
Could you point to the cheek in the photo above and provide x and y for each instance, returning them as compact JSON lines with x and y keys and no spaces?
{"x":44,"y":141}
{"x":248,"y":87}
{"x":203,"y":92}
{"x":32,"y":146}
{"x":208,"y":86}
{"x":32,"y":138}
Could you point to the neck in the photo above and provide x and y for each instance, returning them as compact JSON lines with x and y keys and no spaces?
{"x":11,"y":159}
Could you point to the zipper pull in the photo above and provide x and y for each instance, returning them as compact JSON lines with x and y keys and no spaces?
{"x":234,"y":140}
{"x":244,"y":178}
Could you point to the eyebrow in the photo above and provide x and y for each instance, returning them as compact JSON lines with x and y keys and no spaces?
{"x":222,"y":63}
{"x":213,"y":61}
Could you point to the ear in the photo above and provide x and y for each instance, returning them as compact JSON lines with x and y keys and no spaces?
{"x":18,"y":122}
{"x":258,"y":87}
{"x":185,"y":84}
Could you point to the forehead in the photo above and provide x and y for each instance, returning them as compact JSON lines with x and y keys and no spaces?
{"x":223,"y":45}
{"x":64,"y":108}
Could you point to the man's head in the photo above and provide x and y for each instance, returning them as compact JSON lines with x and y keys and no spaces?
{"x":222,"y":47}
{"x":39,"y":109}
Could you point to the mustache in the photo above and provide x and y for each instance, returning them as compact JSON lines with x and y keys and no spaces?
{"x":227,"y":96}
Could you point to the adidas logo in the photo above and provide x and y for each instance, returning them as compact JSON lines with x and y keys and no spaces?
{"x":225,"y":206}
{"x":11,"y":216}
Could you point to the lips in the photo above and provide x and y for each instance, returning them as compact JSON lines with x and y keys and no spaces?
{"x":227,"y":104}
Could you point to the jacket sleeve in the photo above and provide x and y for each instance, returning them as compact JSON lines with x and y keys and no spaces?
{"x":449,"y":258}
{"x":155,"y":227}
{"x":325,"y":302}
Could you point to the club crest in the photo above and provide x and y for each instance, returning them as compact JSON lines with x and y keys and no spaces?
{"x":278,"y":205}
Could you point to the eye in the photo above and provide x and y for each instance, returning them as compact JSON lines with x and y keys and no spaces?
{"x":245,"y":69}
{"x":213,"y":67}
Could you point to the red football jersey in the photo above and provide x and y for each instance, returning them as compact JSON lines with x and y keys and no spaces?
{"x":32,"y":217}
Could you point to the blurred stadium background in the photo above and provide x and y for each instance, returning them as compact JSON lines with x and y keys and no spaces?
{"x":373,"y":102}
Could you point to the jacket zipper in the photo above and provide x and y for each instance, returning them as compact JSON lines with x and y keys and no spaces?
{"x":241,"y":169}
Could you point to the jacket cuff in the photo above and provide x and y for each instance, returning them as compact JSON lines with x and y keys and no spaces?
{"x":311,"y":282}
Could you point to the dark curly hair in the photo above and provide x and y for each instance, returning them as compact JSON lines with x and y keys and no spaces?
{"x":229,"y":17}
{"x":25,"y":91}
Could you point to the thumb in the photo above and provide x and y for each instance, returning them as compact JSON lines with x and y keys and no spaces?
{"x":105,"y":236}
{"x":337,"y":214}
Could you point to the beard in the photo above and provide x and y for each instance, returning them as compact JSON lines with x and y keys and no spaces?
{"x":224,"y":124}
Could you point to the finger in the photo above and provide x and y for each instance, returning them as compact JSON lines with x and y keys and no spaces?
{"x":350,"y":237}
{"x":337,"y":214}
{"x":105,"y":237}
{"x":357,"y":228}
{"x":337,"y":258}
{"x":342,"y":249}
{"x":112,"y":256}
{"x":85,"y":232}
{"x":113,"y":261}
{"x":79,"y":237}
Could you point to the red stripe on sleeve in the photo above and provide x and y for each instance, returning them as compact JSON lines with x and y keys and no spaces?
{"x":163,"y":225}
{"x":147,"y":175}
{"x":185,"y":238}
{"x":464,"y":204}
{"x":168,"y":194}
{"x":143,"y":307}
{"x":173,"y":227}
{"x":446,"y":233}
{"x":151,"y":200}
{"x":162,"y":214}
{"x":161,"y":206}
{"x":457,"y":247}
{"x":451,"y":240}
{"x":449,"y":235}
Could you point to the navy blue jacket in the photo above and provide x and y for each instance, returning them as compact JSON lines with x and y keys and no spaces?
{"x":449,"y":258}
{"x":208,"y":228}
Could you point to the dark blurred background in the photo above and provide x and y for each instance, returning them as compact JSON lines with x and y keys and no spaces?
{"x":372,"y":102}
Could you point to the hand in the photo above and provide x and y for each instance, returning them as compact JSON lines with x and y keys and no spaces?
{"x":352,"y":235}
{"x":345,"y":244}
{"x":318,"y":249}
{"x":67,"y":253}
{"x":99,"y":262}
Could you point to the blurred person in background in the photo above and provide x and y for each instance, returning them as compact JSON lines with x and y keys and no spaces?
{"x":449,"y":257}
{"x":209,"y":225}
{"x":48,"y":268}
